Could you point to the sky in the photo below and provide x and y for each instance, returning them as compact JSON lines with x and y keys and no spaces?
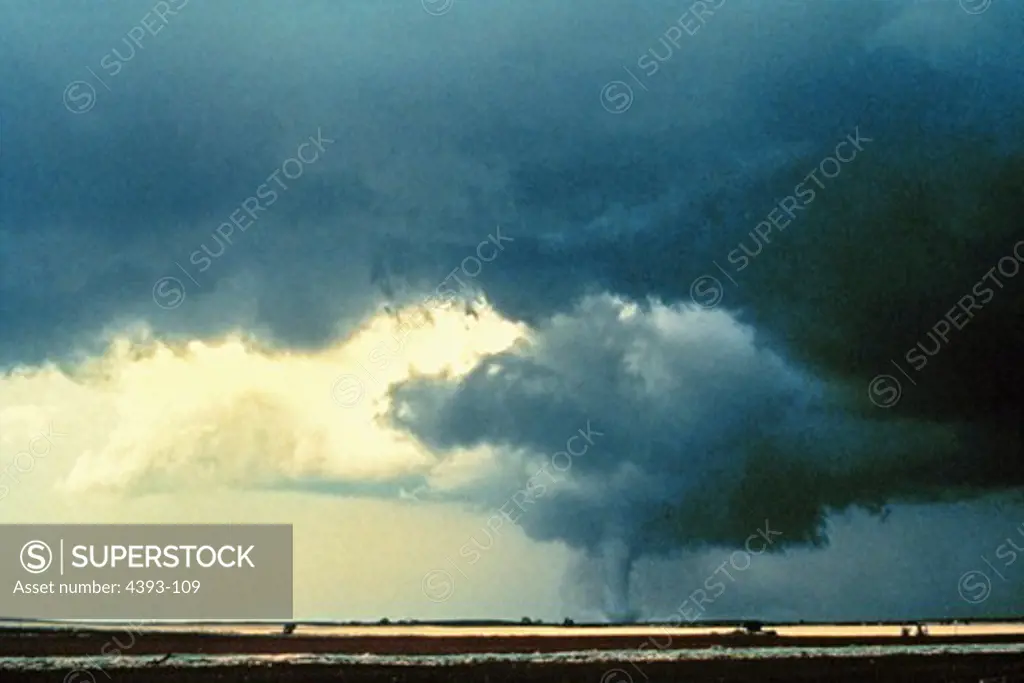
{"x":528,"y":309}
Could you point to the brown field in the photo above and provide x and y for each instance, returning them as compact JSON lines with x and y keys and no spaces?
{"x":24,"y":641}
{"x":896,"y":669}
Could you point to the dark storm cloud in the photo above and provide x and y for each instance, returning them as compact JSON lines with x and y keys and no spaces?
{"x":703,"y":436}
{"x":440,"y":123}
{"x":704,"y":433}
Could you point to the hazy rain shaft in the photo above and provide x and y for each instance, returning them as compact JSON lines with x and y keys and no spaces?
{"x":632,"y":315}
